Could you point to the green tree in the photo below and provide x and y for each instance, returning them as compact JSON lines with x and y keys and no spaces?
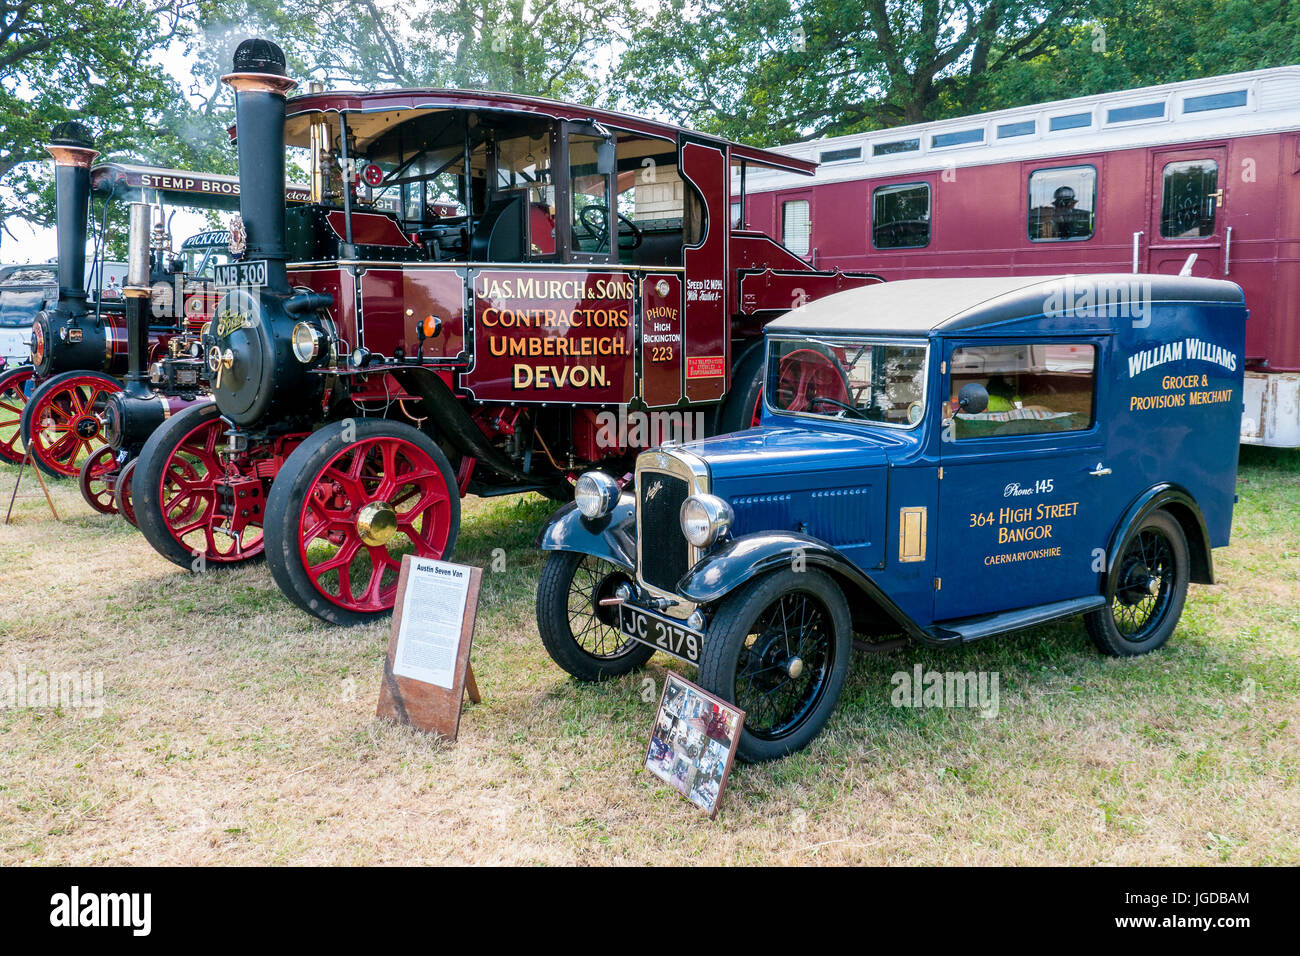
{"x":780,"y":70}
{"x":91,"y":61}
{"x":1131,"y":44}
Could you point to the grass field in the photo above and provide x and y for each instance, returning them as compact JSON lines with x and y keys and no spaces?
{"x":238,"y":730}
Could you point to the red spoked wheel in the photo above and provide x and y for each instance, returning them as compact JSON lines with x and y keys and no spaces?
{"x":122,"y":492}
{"x":63,"y":421}
{"x":809,"y":374}
{"x":98,"y":482}
{"x":13,"y":399}
{"x":191,"y":507}
{"x":342,"y":513}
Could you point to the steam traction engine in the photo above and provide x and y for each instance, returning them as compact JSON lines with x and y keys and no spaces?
{"x":80,"y":347}
{"x":480,"y":284}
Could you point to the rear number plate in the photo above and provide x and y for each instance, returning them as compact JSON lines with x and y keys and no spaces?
{"x":661,"y":633}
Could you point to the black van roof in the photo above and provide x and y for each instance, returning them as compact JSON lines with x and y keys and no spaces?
{"x":918,"y":306}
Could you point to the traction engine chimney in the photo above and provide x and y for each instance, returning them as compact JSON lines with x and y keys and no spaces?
{"x":73,"y":149}
{"x":260,"y":86}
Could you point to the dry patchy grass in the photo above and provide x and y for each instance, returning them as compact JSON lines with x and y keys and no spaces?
{"x":237,"y":730}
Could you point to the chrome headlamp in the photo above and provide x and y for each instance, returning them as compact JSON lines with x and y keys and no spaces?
{"x":705,"y":519}
{"x":595,"y":494}
{"x":306,"y":342}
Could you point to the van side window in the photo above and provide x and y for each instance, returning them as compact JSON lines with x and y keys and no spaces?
{"x":1033,"y":388}
{"x":900,"y":216}
{"x":1062,"y":203}
{"x":796,"y":226}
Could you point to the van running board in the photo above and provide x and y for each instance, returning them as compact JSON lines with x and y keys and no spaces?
{"x":970,"y":629}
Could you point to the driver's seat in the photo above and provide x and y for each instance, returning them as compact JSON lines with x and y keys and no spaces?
{"x":501,"y":234}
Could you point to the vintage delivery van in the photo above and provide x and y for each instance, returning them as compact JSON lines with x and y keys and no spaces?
{"x":941,"y":459}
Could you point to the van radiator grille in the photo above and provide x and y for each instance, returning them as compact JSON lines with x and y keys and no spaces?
{"x":664,"y":549}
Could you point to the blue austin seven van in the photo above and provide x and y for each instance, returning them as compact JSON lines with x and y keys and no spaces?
{"x":938,"y":460}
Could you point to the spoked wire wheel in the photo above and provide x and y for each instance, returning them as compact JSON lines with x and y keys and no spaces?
{"x":63,"y":422}
{"x":13,"y":399}
{"x":176,"y":499}
{"x":580,"y":634}
{"x":1146,"y":578}
{"x":96,"y":480}
{"x":785,"y":665}
{"x":778,"y":648}
{"x":343,"y":514}
{"x":1147,"y":590}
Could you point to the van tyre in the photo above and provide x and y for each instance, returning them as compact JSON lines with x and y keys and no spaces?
{"x":1147,"y":589}
{"x":779,"y":649}
{"x":579,"y":634}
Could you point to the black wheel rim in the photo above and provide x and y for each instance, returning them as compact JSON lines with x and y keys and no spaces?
{"x":591,"y":625}
{"x":1144,"y":586}
{"x":784,"y":665}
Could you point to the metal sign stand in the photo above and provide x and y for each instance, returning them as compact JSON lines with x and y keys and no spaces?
{"x":27,"y":458}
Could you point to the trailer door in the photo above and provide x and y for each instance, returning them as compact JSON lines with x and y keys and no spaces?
{"x":1187,"y":204}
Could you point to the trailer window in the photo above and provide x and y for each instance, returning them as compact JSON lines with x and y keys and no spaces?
{"x":1062,"y":203}
{"x":1032,"y":388}
{"x":796,"y":226}
{"x":900,"y":216}
{"x":1190,"y":199}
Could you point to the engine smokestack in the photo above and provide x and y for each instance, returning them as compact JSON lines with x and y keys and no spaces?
{"x":260,"y":86}
{"x":73,"y":149}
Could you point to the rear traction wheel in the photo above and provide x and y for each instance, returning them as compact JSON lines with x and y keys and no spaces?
{"x":13,"y":399}
{"x":341,"y":514}
{"x":63,"y":422}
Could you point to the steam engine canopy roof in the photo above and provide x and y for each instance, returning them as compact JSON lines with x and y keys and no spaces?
{"x":371,"y":115}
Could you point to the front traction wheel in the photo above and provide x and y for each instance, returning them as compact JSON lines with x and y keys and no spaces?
{"x":779,"y":649}
{"x":580,"y":634}
{"x":1147,"y":590}
{"x":347,"y":504}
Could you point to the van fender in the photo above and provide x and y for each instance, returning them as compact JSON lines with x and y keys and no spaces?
{"x":612,"y":537}
{"x":1184,"y":509}
{"x":739,"y":560}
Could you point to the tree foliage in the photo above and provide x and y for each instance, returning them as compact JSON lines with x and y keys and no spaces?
{"x":787,"y":69}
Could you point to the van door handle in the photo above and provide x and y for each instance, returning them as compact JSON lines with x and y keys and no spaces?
{"x":1099,"y":471}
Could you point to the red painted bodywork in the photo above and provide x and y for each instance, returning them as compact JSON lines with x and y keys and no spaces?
{"x":979,"y":218}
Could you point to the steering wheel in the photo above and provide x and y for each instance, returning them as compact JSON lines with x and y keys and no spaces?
{"x":826,"y":399}
{"x":594,"y":219}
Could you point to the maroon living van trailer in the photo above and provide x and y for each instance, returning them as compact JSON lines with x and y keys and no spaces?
{"x":482,"y":288}
{"x":1201,"y":177}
